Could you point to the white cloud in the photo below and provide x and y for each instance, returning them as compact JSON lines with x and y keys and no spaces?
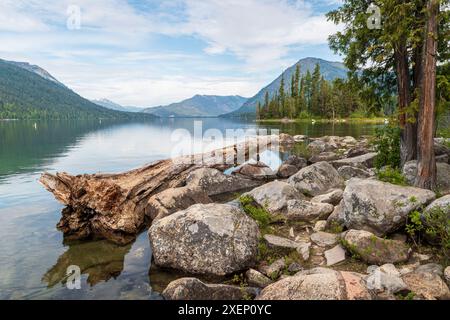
{"x":113,"y":55}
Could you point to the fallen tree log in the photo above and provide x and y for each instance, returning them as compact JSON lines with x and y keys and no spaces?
{"x":113,"y":206}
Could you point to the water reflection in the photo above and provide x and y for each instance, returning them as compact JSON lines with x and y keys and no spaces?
{"x":100,"y":260}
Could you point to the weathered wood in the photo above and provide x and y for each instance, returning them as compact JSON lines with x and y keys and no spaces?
{"x":112,"y":206}
{"x":426,"y":165}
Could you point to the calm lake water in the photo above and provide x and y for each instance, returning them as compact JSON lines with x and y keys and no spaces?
{"x":33,"y":255}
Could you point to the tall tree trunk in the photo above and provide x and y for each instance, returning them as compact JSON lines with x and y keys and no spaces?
{"x":426,"y":167}
{"x":408,"y":128}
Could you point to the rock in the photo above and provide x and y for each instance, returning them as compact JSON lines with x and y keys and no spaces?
{"x":286,"y":139}
{"x":385,"y":279}
{"x":286,"y":170}
{"x":320,"y":225}
{"x":441,"y":149}
{"x":316,"y":179}
{"x":316,"y":146}
{"x":291,"y":166}
{"x":216,"y":239}
{"x":420,"y":257}
{"x":194,"y":289}
{"x":274,"y":196}
{"x":374,"y":250}
{"x":280,"y":242}
{"x":335,"y":255}
{"x":174,"y":199}
{"x":430,"y":268}
{"x":443,"y":175}
{"x":443,"y":158}
{"x":333,"y":197}
{"x":380,"y":207}
{"x":295,"y":267}
{"x":443,"y":203}
{"x":257,"y":279}
{"x":296,"y":161}
{"x":336,"y":218}
{"x":349,"y":140}
{"x":215,"y":182}
{"x":447,"y":275}
{"x":365,"y":161}
{"x":256,"y":170}
{"x":300,"y":138}
{"x":357,"y":151}
{"x":348,"y":172}
{"x":303,"y":210}
{"x":426,"y":285}
{"x":407,"y":268}
{"x":324,"y":239}
{"x":329,"y":285}
{"x":274,"y":270}
{"x":324,"y":156}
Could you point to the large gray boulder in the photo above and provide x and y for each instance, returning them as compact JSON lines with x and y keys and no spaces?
{"x":348,"y":172}
{"x":380,"y":207}
{"x":174,"y":199}
{"x":320,"y":284}
{"x":215,"y":182}
{"x":194,"y":289}
{"x":274,"y":196}
{"x":215,"y":239}
{"x":364,"y":161}
{"x":316,"y":179}
{"x":443,"y":175}
{"x":375,"y":250}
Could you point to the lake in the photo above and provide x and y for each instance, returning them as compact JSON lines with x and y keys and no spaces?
{"x":33,"y":254}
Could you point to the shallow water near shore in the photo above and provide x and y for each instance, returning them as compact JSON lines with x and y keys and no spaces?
{"x":33,"y":255}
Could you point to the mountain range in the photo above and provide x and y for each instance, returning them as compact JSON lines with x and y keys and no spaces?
{"x":115,"y":106}
{"x":29,"y":92}
{"x":329,"y":70}
{"x":199,"y":106}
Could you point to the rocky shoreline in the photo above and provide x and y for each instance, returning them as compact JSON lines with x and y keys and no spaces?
{"x":320,"y":227}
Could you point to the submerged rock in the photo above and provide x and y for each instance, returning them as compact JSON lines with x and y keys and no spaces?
{"x":194,"y":289}
{"x":374,"y":250}
{"x":316,"y":179}
{"x":216,"y":239}
{"x":380,"y":207}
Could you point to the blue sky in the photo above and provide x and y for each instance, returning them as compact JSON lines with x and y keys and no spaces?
{"x":150,"y":52}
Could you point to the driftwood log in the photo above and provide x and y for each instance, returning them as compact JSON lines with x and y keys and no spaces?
{"x":113,"y":206}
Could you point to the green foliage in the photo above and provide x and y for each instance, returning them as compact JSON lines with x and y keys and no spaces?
{"x":313,"y":96}
{"x":387,"y":146}
{"x":414,"y":225}
{"x":394,"y":176}
{"x":261,"y":215}
{"x":25,"y":95}
{"x":437,"y":226}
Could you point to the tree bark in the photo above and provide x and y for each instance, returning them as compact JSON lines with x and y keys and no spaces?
{"x":408,"y":127}
{"x":426,"y":167}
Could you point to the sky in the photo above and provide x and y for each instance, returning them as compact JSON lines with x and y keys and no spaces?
{"x":154,"y":52}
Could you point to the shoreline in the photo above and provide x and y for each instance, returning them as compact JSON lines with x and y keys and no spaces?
{"x":343,"y":120}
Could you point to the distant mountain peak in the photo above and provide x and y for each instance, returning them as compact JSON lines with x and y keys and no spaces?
{"x":35,"y":69}
{"x":199,"y":106}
